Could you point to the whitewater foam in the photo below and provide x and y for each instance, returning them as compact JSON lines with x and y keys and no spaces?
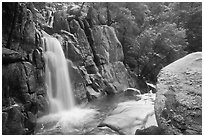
{"x":71,"y":120}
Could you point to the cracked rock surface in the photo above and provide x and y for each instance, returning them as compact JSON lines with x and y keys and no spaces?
{"x":178,"y":105}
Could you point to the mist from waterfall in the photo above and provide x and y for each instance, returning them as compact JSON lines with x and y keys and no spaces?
{"x":57,"y":77}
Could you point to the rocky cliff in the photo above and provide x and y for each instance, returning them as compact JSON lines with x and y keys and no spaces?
{"x":94,"y":56}
{"x":23,"y":88}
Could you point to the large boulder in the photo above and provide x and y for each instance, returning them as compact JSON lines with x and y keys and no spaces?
{"x":133,"y":115}
{"x":178,"y":104}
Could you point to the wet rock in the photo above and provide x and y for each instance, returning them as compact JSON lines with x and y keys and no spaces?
{"x":71,"y":47}
{"x":131,"y":92}
{"x":30,"y":121}
{"x":59,"y":37}
{"x":102,"y":131}
{"x":178,"y":104}
{"x":129,"y":116}
{"x":42,"y":103}
{"x":34,"y":105}
{"x":152,"y":87}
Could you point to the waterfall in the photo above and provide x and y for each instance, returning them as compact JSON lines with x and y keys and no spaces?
{"x":64,"y":115}
{"x":57,"y":77}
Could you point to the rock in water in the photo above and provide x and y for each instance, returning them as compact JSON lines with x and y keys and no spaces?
{"x":130,"y":116}
{"x":178,"y":106}
{"x":131,"y":92}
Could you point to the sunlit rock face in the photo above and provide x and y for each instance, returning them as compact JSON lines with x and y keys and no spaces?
{"x":130,"y":116}
{"x":178,"y":104}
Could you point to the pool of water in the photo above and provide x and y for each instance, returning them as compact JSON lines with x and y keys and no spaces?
{"x":84,"y":119}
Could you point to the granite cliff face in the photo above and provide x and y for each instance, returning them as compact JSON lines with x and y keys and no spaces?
{"x":23,"y":87}
{"x":95,"y":59}
{"x":94,"y":56}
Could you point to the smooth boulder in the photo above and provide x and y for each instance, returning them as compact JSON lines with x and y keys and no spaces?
{"x":130,"y":116}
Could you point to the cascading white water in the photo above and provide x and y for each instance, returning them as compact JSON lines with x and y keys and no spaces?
{"x":63,"y":112}
{"x":57,"y":77}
